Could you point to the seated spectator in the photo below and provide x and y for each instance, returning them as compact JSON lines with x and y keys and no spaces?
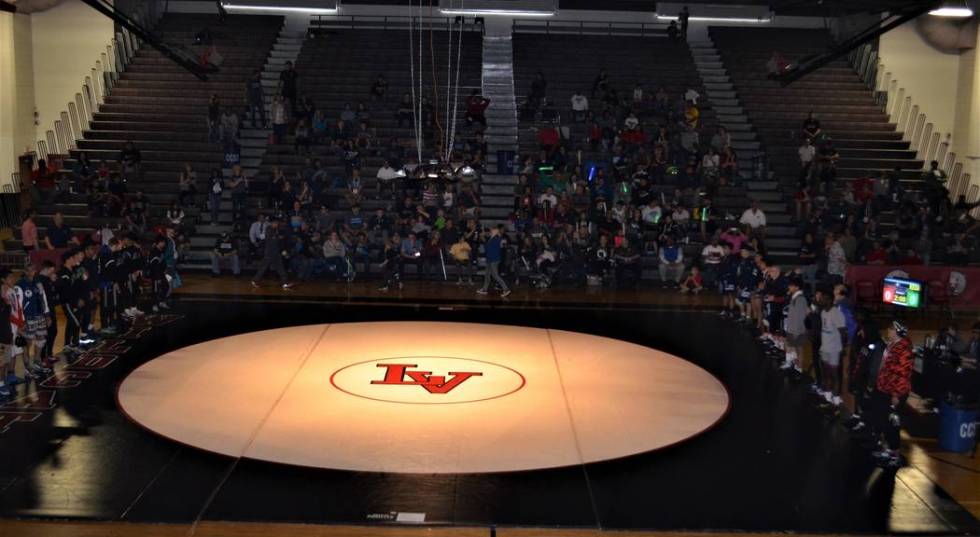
{"x":132,"y":159}
{"x":628,"y":266}
{"x":754,"y":220}
{"x":694,"y":283}
{"x":580,"y":107}
{"x":335,"y":255}
{"x":406,"y":111}
{"x":811,"y":128}
{"x":225,"y":252}
{"x":538,"y":88}
{"x":379,"y":88}
{"x":58,"y":234}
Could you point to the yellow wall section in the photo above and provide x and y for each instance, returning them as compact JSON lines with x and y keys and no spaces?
{"x":67,"y":41}
{"x":16,"y":91}
{"x":945,"y":87}
{"x":928,"y":76}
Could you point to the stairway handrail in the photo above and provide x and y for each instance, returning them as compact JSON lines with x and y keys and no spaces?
{"x":652,"y":29}
{"x":389,"y":22}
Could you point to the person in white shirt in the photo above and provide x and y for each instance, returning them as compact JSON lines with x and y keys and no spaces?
{"x":638,"y":94}
{"x":256,"y":232}
{"x":632,"y":122}
{"x":806,"y":151}
{"x":548,"y":197}
{"x":386,"y":179}
{"x":681,"y":215}
{"x":711,"y":258}
{"x":710,"y":163}
{"x":754,"y":221}
{"x":580,"y":105}
{"x":692,"y":96}
{"x":651,"y":213}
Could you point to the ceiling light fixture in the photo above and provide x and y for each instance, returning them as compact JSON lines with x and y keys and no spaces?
{"x":744,"y":20}
{"x":960,"y":10}
{"x":280,"y":9}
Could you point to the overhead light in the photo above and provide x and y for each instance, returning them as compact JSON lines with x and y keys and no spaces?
{"x":512,"y":12}
{"x":281,"y":9}
{"x":961,"y":11}
{"x":743,"y":20}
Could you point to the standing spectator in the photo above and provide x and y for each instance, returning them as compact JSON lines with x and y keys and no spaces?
{"x":256,"y":232}
{"x":239,"y":192}
{"x":684,"y":17}
{"x":494,"y":254}
{"x":386,"y":179}
{"x":280,"y":119}
{"x":272,"y":257}
{"x":806,"y":152}
{"x":711,"y":258}
{"x":476,"y":106}
{"x":892,"y":387}
{"x":796,"y":335}
{"x":833,"y":341}
{"x":229,"y":127}
{"x":287,"y":86}
{"x":671,"y":265}
{"x":836,"y":259}
{"x":256,"y":100}
{"x":7,"y":376}
{"x":132,"y":159}
{"x":214,"y":117}
{"x":391,"y":266}
{"x":188,"y":186}
{"x":379,"y":88}
{"x":580,"y":107}
{"x":28,"y":232}
{"x":58,"y":234}
{"x":215,"y":188}
{"x":754,"y":221}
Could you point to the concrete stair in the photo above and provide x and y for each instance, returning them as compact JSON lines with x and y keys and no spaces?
{"x":497,"y":191}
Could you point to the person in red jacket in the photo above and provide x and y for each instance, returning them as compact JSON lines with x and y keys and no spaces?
{"x":892,"y":387}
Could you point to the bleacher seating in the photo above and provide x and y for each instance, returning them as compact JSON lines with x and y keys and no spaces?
{"x":570,"y":63}
{"x":846,"y":108}
{"x":162,"y":108}
{"x":338,"y":67}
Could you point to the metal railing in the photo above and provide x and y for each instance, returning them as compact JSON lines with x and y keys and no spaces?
{"x":927,"y":143}
{"x":71,"y":124}
{"x":538,"y":26}
{"x":320,"y":23}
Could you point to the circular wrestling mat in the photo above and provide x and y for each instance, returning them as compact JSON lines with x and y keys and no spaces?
{"x":423,"y":397}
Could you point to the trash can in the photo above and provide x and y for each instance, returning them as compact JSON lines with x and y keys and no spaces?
{"x":506,"y":164}
{"x":957,"y":428}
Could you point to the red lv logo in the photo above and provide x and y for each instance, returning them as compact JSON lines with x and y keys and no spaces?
{"x":436,"y":384}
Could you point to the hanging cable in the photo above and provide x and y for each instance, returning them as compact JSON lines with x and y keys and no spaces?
{"x":411,"y":63}
{"x":435,"y":84}
{"x":419,"y":136}
{"x":449,"y":74}
{"x":459,"y":54}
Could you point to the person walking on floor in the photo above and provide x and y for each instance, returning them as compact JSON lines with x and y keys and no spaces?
{"x":272,"y":257}
{"x":494,"y":253}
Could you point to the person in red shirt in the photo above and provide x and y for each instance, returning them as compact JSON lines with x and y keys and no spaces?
{"x":877,"y":256}
{"x":548,"y":136}
{"x":476,"y":105}
{"x":892,"y":387}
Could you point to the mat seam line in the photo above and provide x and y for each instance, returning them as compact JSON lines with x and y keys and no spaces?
{"x":207,"y":504}
{"x":571,"y":422}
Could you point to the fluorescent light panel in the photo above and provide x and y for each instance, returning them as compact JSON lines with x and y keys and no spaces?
{"x":282,"y":9}
{"x":511,"y":12}
{"x":759,"y":20}
{"x":958,"y":12}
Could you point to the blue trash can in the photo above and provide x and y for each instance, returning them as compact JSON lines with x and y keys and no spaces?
{"x":957,"y":428}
